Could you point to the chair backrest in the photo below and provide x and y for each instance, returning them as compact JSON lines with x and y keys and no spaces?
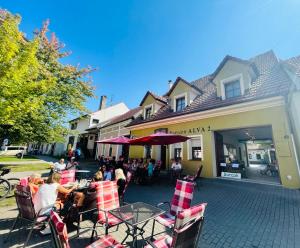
{"x":24,"y":202}
{"x":188,"y":226}
{"x":24,"y":181}
{"x":107,"y":197}
{"x":182,"y":197}
{"x":67,"y":176}
{"x":59,"y":231}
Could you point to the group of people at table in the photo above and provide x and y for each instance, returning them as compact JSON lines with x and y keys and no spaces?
{"x":51,"y":192}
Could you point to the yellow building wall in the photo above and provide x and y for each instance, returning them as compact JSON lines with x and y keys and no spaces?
{"x":275,"y":117}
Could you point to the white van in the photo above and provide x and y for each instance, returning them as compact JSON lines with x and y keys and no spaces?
{"x":13,"y":151}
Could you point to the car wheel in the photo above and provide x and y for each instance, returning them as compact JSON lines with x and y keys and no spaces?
{"x":19,"y":155}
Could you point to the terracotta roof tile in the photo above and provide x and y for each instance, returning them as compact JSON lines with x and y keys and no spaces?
{"x":271,"y":81}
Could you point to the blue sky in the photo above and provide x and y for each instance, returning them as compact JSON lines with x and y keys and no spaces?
{"x":139,"y":45}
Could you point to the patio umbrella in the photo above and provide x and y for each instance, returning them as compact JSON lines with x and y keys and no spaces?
{"x":121,"y":140}
{"x":159,"y":139}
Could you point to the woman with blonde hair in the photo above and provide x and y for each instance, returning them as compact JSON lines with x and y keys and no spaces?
{"x":47,"y":194}
{"x":121,"y":181}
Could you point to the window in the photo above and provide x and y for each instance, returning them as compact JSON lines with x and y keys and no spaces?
{"x":250,"y":156}
{"x":180,"y":103}
{"x":73,"y":126}
{"x":232,"y":89}
{"x":95,"y":121}
{"x":148,"y":112}
{"x":177,"y":153}
{"x":195,"y":151}
{"x":110,"y":151}
{"x":258,"y":156}
{"x":147,"y":151}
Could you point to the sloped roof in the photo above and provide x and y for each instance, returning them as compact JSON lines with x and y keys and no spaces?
{"x":295,"y":63}
{"x":156,"y":97}
{"x":178,"y":79}
{"x":128,"y":115}
{"x":271,"y":81}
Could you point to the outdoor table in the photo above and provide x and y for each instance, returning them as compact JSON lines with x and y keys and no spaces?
{"x":140,"y":213}
{"x":82,"y":173}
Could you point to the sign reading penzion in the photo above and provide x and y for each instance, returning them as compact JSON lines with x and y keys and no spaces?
{"x":231,"y":175}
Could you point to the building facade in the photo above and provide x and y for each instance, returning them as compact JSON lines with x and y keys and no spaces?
{"x":243,"y":102}
{"x":84,"y":128}
{"x":114,"y":128}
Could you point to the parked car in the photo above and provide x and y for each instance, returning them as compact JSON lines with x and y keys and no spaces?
{"x":13,"y":151}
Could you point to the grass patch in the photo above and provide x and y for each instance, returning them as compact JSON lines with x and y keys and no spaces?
{"x":7,"y":202}
{"x":28,"y":167}
{"x":13,"y":159}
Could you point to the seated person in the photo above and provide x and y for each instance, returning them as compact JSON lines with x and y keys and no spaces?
{"x":80,"y":196}
{"x":176,"y":165}
{"x":46,"y":196}
{"x":59,"y":166}
{"x":107,"y":175}
{"x":34,"y":182}
{"x":121,"y":181}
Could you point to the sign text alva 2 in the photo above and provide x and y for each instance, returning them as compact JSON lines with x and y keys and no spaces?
{"x":194,"y":130}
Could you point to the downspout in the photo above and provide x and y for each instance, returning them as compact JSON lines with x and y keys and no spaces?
{"x":292,"y":128}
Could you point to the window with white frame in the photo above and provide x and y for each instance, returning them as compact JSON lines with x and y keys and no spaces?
{"x":180,"y":103}
{"x":176,"y":150}
{"x":195,"y":148}
{"x":232,"y":89}
{"x":147,"y":151}
{"x":148,"y":112}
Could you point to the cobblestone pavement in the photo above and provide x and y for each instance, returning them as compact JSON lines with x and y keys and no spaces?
{"x":238,"y":215}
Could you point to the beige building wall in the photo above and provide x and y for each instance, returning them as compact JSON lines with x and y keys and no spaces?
{"x":231,"y":69}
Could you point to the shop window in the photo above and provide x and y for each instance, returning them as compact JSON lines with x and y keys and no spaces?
{"x":177,"y":153}
{"x":258,"y":157}
{"x":250,"y":156}
{"x":195,"y":151}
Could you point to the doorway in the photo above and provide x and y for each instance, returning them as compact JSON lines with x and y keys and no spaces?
{"x":247,"y":153}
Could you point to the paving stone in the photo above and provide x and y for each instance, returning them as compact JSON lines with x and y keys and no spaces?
{"x":238,"y":215}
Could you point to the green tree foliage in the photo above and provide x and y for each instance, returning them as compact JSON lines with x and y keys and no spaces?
{"x":37,"y":91}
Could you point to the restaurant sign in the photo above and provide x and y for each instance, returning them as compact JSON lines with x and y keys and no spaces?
{"x":231,"y":175}
{"x":189,"y":131}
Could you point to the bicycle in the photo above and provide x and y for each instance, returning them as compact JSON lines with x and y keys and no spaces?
{"x":7,"y":185}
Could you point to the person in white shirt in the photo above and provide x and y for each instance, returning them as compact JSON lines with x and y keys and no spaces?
{"x":176,"y":165}
{"x":59,"y":166}
{"x":45,"y":198}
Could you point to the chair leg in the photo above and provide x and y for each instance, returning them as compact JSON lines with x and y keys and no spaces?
{"x":78,"y":225}
{"x":106,"y":229}
{"x":30,"y":232}
{"x":12,"y":228}
{"x":92,"y":237}
{"x":153,"y":228}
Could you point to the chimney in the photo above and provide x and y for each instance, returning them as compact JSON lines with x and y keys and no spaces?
{"x":170,"y":84}
{"x":102,"y":104}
